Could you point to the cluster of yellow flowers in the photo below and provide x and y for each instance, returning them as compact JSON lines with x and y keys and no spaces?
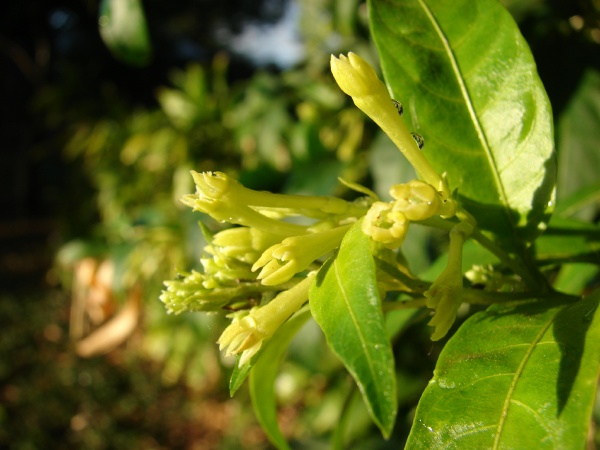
{"x":264,"y":264}
{"x":263,"y":268}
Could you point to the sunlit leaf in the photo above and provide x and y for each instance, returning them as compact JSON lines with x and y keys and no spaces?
{"x":345,"y":303}
{"x":514,"y":377}
{"x":476,"y":98}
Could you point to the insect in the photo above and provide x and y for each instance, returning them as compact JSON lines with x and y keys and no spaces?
{"x":398,"y":106}
{"x":418,"y":139}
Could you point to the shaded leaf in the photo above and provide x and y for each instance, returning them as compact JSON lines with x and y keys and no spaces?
{"x":345,"y":303}
{"x":579,"y":135}
{"x":580,"y":199}
{"x":569,"y":239}
{"x":573,"y":278}
{"x":514,"y":377}
{"x":476,"y":98}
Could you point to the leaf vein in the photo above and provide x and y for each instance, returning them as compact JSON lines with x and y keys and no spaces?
{"x":354,"y":320}
{"x":538,"y":418}
{"x":469,"y":103}
{"x":513,"y":384}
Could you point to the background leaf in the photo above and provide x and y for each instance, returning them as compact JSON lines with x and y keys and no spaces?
{"x":124,"y":31}
{"x":569,"y":239}
{"x":579,"y":134}
{"x":581,"y":199}
{"x":476,"y":98}
{"x":345,"y":303}
{"x":514,"y":377}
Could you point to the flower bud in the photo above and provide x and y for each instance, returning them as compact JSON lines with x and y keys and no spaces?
{"x":416,"y":199}
{"x":356,"y":77}
{"x":219,"y":271}
{"x":187,"y":293}
{"x":242,"y":243}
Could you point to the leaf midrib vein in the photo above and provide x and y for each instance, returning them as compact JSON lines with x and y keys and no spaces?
{"x":353,"y":318}
{"x":463,"y":88}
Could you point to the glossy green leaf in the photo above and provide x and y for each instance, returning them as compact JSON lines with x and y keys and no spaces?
{"x":469,"y":86}
{"x":514,"y":377}
{"x":239,"y":374}
{"x":124,"y":31}
{"x":345,"y":303}
{"x":263,"y":370}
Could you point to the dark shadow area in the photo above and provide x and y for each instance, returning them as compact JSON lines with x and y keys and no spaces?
{"x":570,"y":330}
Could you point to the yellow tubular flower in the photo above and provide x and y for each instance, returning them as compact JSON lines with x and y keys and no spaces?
{"x":416,"y":199}
{"x":419,"y":201}
{"x":385,"y":224}
{"x":445,"y":294}
{"x":358,"y":79}
{"x":242,"y":243}
{"x":282,"y":261}
{"x":220,"y":272}
{"x":247,"y":334}
{"x":226,"y":200}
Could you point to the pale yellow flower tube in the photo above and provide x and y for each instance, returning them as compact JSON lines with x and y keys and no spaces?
{"x":358,"y":79}
{"x":445,"y":294}
{"x":247,"y":335}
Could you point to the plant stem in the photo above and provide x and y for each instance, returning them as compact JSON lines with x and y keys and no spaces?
{"x":409,"y":304}
{"x":532,"y":278}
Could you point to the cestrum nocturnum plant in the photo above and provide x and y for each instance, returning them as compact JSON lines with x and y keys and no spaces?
{"x":266,"y":263}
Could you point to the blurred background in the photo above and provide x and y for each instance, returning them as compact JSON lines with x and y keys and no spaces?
{"x":105,"y":107}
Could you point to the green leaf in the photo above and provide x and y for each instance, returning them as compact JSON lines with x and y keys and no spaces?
{"x":580,"y":199}
{"x":345,"y":303}
{"x":573,"y":278}
{"x":514,"y":377}
{"x":470,"y":88}
{"x":569,"y":240}
{"x":124,"y":31}
{"x":578,"y":139}
{"x":263,"y":370}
